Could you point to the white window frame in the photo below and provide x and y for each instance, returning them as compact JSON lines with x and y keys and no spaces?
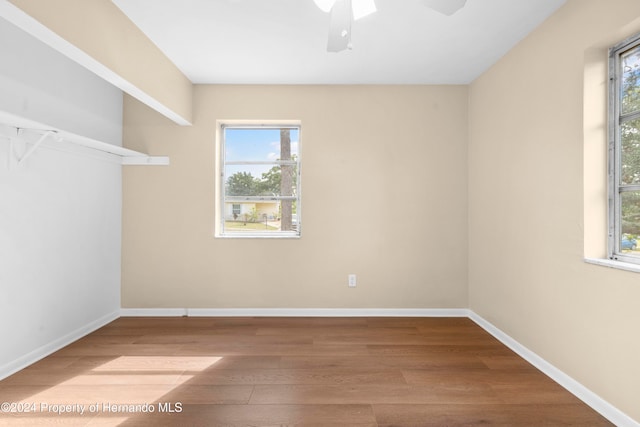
{"x":616,"y":118}
{"x":221,"y":180}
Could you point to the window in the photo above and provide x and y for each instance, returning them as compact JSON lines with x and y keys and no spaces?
{"x":259,"y":181}
{"x":624,"y":151}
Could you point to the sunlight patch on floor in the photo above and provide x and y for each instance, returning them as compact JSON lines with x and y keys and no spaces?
{"x":111,"y":393}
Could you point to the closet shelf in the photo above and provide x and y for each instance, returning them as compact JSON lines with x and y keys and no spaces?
{"x":52,"y":136}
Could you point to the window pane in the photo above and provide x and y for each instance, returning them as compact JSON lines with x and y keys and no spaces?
{"x":630,"y":152}
{"x":260,"y":180}
{"x":630,"y":220}
{"x":624,"y":126}
{"x":260,"y":217}
{"x":260,"y":193}
{"x":630,"y":88}
{"x":257,"y":144}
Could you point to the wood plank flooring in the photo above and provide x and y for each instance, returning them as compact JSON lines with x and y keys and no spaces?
{"x":289,"y":371}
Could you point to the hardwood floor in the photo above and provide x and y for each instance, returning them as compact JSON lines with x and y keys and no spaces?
{"x":289,"y":371}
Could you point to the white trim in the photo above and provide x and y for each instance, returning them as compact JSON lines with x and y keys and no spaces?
{"x":603,"y":407}
{"x":22,"y":20}
{"x":153,"y":312}
{"x":328,"y":312}
{"x":295,"y":312}
{"x":611,"y":263}
{"x":55,"y":345}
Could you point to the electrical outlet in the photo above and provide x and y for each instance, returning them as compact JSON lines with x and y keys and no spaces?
{"x":352,"y":281}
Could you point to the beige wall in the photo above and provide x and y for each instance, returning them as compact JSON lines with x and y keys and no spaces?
{"x":527,"y":215}
{"x":360,"y":144}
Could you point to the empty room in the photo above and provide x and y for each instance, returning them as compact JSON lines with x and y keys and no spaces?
{"x":320,"y":212}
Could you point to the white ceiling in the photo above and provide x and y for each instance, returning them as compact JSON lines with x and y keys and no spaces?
{"x":284,"y":41}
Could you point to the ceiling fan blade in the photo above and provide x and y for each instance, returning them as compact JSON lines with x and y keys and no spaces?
{"x":325,"y":5}
{"x":362,"y":8}
{"x":340,"y":26}
{"x":446,"y":7}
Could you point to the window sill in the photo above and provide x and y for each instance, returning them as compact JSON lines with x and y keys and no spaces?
{"x":627,"y":266}
{"x":259,"y":236}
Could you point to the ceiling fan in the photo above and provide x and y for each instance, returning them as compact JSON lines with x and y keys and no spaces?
{"x":344,"y":12}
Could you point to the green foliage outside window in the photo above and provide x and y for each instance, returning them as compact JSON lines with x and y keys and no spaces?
{"x":630,"y":143}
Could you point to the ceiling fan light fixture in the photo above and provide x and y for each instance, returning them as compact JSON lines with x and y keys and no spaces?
{"x":343,"y":13}
{"x":446,"y":7}
{"x":361,"y":8}
{"x":340,"y":26}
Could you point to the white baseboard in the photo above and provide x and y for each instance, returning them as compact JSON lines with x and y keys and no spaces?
{"x":153,"y":312}
{"x":55,"y":345}
{"x":294,"y":312}
{"x":600,"y":405}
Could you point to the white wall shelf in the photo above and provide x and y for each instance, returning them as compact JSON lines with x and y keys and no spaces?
{"x":15,"y":128}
